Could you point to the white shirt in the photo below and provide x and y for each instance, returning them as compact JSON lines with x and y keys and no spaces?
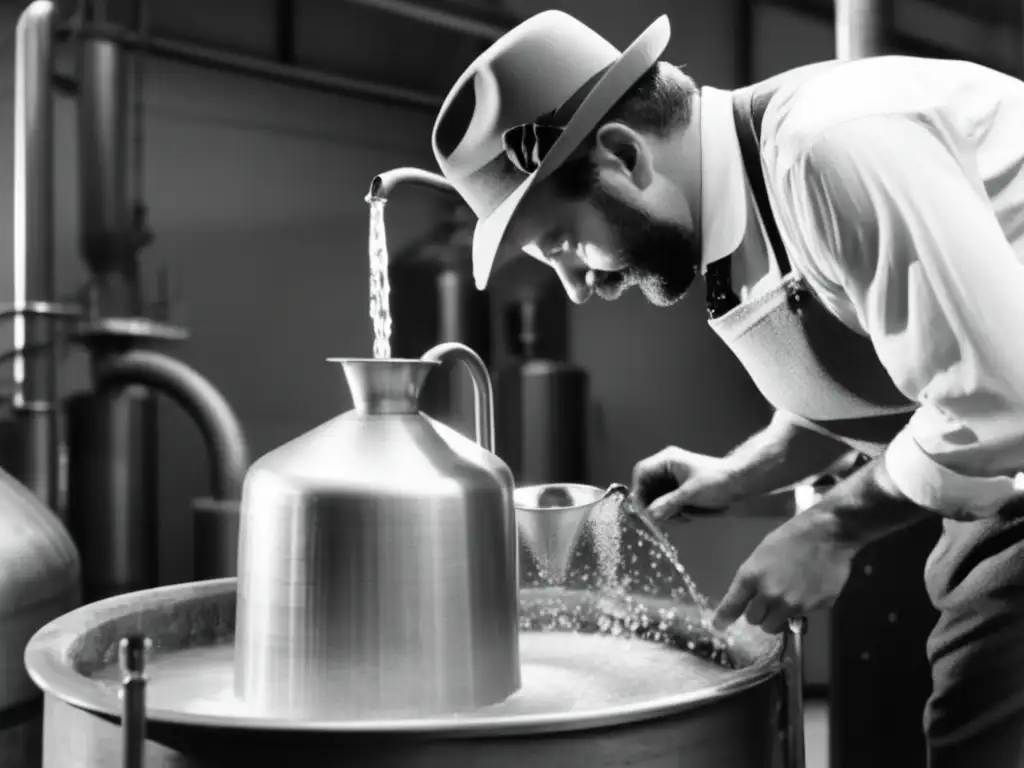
{"x":898,"y":188}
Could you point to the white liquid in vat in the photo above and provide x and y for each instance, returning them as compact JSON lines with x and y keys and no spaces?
{"x":562,"y":672}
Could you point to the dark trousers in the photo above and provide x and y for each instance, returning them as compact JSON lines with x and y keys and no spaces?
{"x":975,"y":579}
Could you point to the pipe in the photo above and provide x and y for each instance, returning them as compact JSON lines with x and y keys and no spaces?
{"x":795,"y":740}
{"x":214,"y":416}
{"x":132,"y":653}
{"x":35,"y":376}
{"x":384,"y":184}
{"x":108,"y":241}
{"x":862,"y":28}
{"x":252,"y":66}
{"x":444,"y":14}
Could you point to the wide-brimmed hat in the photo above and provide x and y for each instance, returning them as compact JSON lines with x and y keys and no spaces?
{"x":523,"y":107}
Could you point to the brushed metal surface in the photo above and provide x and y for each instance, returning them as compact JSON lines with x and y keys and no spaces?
{"x":740,"y":731}
{"x":378,"y":559}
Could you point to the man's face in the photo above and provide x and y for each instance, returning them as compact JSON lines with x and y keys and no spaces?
{"x":613,"y":238}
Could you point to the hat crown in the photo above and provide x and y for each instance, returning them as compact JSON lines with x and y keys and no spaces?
{"x":531,"y":71}
{"x":523,"y":107}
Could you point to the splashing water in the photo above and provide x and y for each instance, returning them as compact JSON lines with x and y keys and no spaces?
{"x":380,"y":285}
{"x":654,"y":536}
{"x":636,"y":587}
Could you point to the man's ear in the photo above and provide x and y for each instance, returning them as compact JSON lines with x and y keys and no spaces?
{"x":621,"y":150}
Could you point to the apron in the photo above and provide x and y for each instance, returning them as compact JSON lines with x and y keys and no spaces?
{"x":806,"y":362}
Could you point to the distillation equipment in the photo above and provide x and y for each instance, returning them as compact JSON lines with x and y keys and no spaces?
{"x":89,"y":458}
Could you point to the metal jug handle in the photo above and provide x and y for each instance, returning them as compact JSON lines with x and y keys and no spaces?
{"x":132,"y":654}
{"x":483,"y":393}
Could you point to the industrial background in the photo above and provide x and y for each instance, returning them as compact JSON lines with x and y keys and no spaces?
{"x":253,"y":192}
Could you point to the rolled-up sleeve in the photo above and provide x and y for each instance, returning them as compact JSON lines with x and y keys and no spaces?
{"x":907,"y":233}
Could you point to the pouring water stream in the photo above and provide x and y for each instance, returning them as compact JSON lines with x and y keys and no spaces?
{"x":651,"y":530}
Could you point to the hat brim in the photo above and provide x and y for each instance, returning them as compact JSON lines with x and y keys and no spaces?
{"x":640,"y":56}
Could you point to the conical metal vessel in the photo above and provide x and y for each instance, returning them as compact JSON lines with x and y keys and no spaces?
{"x":378,"y":559}
{"x":551,"y":518}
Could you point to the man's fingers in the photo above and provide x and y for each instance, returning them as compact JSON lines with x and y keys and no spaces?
{"x":677,"y":504}
{"x":651,"y":482}
{"x":757,"y":610}
{"x":741,"y":592}
{"x":669,"y":505}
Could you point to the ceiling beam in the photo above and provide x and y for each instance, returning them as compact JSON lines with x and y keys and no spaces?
{"x":447,"y":14}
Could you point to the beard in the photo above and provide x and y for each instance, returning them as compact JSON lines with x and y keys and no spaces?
{"x":662,"y":258}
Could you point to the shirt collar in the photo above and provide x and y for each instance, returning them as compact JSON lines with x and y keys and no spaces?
{"x":722,"y":180}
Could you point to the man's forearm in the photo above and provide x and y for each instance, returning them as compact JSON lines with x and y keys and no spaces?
{"x":865,"y":507}
{"x":781,"y":454}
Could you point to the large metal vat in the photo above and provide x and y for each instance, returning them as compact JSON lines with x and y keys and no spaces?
{"x":738,"y":721}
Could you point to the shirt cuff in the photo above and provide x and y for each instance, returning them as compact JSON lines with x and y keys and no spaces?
{"x":930,"y":485}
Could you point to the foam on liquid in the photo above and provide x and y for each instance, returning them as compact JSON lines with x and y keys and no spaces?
{"x":561,"y":672}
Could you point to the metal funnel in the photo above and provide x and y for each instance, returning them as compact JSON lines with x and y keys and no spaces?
{"x":550,"y":518}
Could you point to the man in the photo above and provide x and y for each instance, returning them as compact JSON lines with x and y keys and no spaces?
{"x":860,"y":227}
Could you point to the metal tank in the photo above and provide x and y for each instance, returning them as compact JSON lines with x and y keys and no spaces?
{"x":542,"y":405}
{"x":39,"y":581}
{"x":40,"y":572}
{"x":382,"y":544}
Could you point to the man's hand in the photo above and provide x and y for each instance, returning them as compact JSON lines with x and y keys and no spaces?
{"x":804,"y":563}
{"x":799,"y":566}
{"x":675,"y":481}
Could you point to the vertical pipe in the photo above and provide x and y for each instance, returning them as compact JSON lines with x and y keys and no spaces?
{"x":132,"y":653}
{"x":35,"y":382}
{"x":862,"y":28}
{"x":796,"y":745}
{"x":112,"y":502}
{"x":106,"y":215}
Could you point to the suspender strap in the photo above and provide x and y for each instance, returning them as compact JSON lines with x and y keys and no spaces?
{"x":749,"y":106}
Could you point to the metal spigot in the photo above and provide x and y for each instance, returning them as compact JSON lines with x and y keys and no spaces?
{"x":383,"y":184}
{"x":132,"y":654}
